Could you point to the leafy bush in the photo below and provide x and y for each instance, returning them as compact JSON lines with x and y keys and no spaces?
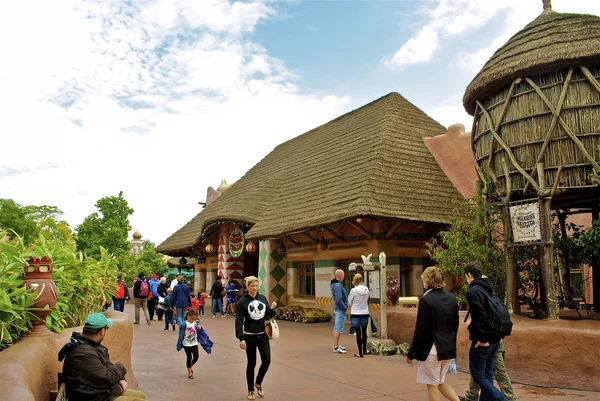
{"x":15,"y":302}
{"x":83,"y":285}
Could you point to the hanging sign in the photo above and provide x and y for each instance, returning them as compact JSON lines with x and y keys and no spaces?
{"x":525,"y":220}
{"x":236,"y":242}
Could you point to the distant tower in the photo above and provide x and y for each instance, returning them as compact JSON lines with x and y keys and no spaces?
{"x":136,"y":243}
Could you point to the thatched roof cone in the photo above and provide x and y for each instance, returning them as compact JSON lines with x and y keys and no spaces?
{"x":369,"y":162}
{"x":550,"y":42}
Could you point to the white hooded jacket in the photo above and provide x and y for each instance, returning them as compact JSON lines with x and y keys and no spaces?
{"x":359,"y":298}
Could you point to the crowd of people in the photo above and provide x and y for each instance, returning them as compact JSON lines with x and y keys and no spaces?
{"x":434,"y":340}
{"x":90,"y":375}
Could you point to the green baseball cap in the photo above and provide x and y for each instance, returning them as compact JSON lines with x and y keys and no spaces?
{"x":97,"y":321}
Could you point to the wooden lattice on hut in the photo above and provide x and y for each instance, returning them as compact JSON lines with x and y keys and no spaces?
{"x":536,"y":128}
{"x":551,"y":118}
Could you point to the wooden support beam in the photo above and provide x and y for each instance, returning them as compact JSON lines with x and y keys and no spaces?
{"x":361,"y":229}
{"x":555,"y":186}
{"x":559,"y":106}
{"x":547,"y":268}
{"x":333,"y":233}
{"x":501,"y":117}
{"x":507,"y":149}
{"x":293,"y":241}
{"x":313,"y":239}
{"x":392,"y":229}
{"x":565,"y":127}
{"x":512,"y":288}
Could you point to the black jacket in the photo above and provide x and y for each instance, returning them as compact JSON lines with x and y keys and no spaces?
{"x":250,"y":315}
{"x":88,"y":373}
{"x":162,"y":289}
{"x":437,"y":323}
{"x":477,"y":294}
{"x":215,"y":290}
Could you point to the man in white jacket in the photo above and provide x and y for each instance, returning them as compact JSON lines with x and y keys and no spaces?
{"x":359,"y":313}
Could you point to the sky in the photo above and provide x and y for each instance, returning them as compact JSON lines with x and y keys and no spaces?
{"x":161,"y":99}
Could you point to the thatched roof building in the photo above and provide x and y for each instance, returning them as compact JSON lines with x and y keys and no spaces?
{"x":550,"y":42}
{"x":369,"y":162}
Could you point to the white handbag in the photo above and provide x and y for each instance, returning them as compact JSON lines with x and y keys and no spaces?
{"x":272,"y":329}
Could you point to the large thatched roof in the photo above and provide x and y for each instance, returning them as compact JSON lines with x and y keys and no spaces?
{"x":369,"y":162}
{"x":552,"y":41}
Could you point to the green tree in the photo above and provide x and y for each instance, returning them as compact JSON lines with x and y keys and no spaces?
{"x":148,"y":261}
{"x":50,"y":225}
{"x":16,"y":221}
{"x":107,"y":228}
{"x":475,"y":235}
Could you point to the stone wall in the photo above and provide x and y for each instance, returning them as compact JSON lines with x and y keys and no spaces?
{"x":547,"y":353}
{"x":29,"y":369}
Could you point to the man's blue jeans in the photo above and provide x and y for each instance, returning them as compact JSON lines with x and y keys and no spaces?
{"x":217,"y":303}
{"x":181,"y":323}
{"x":119,"y":304}
{"x":481,"y":365}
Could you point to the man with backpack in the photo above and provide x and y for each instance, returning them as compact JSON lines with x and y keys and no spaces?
{"x":121,"y":294}
{"x":141,"y":290}
{"x":490,"y":323}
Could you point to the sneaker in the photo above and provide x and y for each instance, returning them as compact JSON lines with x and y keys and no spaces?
{"x":223,"y":316}
{"x":339,"y":350}
{"x":342,"y":348}
{"x":214,"y":315}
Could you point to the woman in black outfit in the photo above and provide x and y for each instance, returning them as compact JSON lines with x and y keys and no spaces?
{"x":251,"y":312}
{"x":434,"y":340}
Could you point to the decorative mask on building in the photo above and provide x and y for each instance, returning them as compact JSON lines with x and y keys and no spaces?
{"x":393,"y":289}
{"x":38,"y":278}
{"x":236,"y":242}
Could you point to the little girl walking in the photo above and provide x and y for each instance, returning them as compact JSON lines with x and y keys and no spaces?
{"x":190,"y":340}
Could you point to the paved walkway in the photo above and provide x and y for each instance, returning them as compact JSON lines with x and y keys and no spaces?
{"x":303,"y":367}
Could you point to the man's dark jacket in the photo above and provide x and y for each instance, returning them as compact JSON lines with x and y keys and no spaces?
{"x":477,"y":296}
{"x":215,"y":290}
{"x":437,"y":323}
{"x":88,"y":373}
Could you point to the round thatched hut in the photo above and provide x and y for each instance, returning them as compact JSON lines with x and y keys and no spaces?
{"x":536,"y":108}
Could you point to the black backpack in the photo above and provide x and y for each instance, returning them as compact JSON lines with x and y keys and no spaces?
{"x":498,"y":316}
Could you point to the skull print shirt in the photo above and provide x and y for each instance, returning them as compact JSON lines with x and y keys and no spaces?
{"x":250,"y":315}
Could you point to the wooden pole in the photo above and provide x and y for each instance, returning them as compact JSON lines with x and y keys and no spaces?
{"x":383,"y":295}
{"x":596,"y":266}
{"x":550,"y":294}
{"x":562,"y":219}
{"x":512,"y":290}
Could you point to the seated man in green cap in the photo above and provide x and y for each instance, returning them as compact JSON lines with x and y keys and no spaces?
{"x":88,"y":373}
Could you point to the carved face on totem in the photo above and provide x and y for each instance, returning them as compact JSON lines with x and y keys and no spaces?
{"x":38,"y":278}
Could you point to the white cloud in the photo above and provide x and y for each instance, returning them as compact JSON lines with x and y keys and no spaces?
{"x":418,"y":49}
{"x":159,"y":99}
{"x":449,"y":19}
{"x":450,"y":113}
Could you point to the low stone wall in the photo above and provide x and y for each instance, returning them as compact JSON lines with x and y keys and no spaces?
{"x":547,"y":353}
{"x":29,"y":369}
